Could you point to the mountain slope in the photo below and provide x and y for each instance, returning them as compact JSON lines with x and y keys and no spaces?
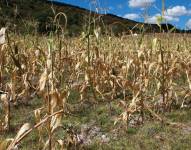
{"x":38,"y":15}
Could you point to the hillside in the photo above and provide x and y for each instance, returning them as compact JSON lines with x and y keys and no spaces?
{"x":38,"y":15}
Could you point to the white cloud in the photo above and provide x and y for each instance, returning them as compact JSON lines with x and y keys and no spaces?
{"x":171,"y":18}
{"x":188,"y":24}
{"x":131,"y":16}
{"x":120,"y":6}
{"x":153,"y":19}
{"x":111,"y":8}
{"x":178,"y":11}
{"x":140,"y":3}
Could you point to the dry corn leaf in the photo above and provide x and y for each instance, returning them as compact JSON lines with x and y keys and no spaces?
{"x":22,"y":130}
{"x":2,"y":35}
{"x":154,"y":44}
{"x":43,"y":79}
{"x":56,"y":122}
{"x":188,"y":79}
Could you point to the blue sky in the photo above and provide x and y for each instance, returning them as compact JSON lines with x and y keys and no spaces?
{"x":178,"y":12}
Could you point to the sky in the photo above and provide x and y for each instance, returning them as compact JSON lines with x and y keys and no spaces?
{"x":177,"y":12}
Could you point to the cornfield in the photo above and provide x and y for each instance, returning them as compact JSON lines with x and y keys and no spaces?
{"x":146,"y":75}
